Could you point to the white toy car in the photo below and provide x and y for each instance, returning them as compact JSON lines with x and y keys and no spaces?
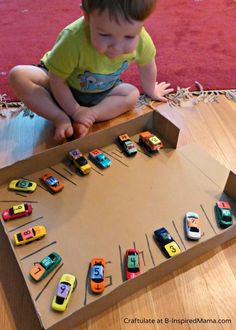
{"x":192,"y":226}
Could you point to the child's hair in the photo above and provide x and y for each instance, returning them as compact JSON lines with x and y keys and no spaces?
{"x":137,"y":10}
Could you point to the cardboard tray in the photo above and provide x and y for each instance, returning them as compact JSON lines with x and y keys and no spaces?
{"x":108,"y":211}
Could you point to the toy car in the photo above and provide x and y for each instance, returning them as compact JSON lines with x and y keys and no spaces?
{"x":192,"y":226}
{"x":224,"y":214}
{"x":22,"y":185}
{"x":66,"y":286}
{"x":52,"y":183}
{"x":166,"y":242}
{"x":150,"y":141}
{"x":45,"y":266}
{"x":97,"y":275}
{"x":99,"y":158}
{"x":132,"y":263}
{"x":80,"y":161}
{"x":17,"y":211}
{"x":127,"y":145}
{"x":29,"y":235}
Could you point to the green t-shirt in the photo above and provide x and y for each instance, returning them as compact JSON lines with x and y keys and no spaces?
{"x":74,"y":58}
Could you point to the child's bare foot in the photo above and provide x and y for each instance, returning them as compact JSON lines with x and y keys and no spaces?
{"x":80,"y":130}
{"x":63,"y":128}
{"x":85,"y":116}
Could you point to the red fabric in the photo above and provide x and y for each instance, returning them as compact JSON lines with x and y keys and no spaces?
{"x":196,"y":39}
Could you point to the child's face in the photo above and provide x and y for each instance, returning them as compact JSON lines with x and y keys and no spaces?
{"x":110,"y":38}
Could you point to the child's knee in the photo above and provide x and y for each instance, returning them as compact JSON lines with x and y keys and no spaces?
{"x":14,"y":75}
{"x":133,"y":97}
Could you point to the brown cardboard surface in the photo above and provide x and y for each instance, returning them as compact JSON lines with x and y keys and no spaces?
{"x":109,"y":211}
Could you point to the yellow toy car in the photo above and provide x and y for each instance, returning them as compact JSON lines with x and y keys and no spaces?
{"x":66,"y":286}
{"x":29,"y":235}
{"x":80,"y":161}
{"x":22,"y":185}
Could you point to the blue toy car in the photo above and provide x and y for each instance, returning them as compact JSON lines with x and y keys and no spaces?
{"x":166,"y":242}
{"x":99,"y":159}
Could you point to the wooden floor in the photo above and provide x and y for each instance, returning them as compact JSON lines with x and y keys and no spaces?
{"x":202,"y":291}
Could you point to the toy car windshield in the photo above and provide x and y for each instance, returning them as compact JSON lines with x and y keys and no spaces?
{"x":82,"y":161}
{"x":194,"y":229}
{"x":101,"y":157}
{"x":166,"y":236}
{"x":23,"y":184}
{"x":52,"y":181}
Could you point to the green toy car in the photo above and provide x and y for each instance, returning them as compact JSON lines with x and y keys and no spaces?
{"x":45,"y":266}
{"x":224,"y":214}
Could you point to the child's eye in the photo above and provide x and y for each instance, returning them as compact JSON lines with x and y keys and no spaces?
{"x":104,"y":34}
{"x":129,"y":37}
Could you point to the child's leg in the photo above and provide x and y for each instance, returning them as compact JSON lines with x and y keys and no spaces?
{"x":31,"y":85}
{"x":121,"y":99}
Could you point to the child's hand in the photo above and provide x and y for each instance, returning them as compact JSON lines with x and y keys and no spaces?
{"x":160,"y":91}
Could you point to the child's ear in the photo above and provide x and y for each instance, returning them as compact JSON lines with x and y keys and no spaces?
{"x":85,"y":14}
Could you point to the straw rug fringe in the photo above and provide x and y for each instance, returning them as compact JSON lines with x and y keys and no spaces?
{"x":177,"y":99}
{"x":184,"y":95}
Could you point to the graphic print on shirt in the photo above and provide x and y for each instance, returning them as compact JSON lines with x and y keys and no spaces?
{"x":99,"y":82}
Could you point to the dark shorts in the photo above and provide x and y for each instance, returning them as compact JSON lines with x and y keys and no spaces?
{"x":84,"y":99}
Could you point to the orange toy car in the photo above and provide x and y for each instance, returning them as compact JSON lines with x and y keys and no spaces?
{"x":97,"y":275}
{"x":150,"y":141}
{"x":52,"y":183}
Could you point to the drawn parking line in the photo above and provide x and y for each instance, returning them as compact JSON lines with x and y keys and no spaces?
{"x":35,"y":252}
{"x":209,"y":221}
{"x":53,"y":275}
{"x":63,"y":176}
{"x":177,"y":232}
{"x":149,"y":249}
{"x":13,"y":229}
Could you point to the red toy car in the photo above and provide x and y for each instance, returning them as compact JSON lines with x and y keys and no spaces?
{"x":17,"y":211}
{"x":132,"y":263}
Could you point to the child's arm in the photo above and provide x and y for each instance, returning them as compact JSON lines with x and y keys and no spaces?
{"x":155,"y":90}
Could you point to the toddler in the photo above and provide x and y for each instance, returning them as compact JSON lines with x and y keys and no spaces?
{"x":77,"y":82}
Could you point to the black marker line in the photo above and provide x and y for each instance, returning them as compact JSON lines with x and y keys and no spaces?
{"x":178,"y":234}
{"x":110,"y":284}
{"x":122,"y":264}
{"x":144,"y":152}
{"x":114,"y":158}
{"x":149,"y":249}
{"x":31,"y":254}
{"x":113,"y":152}
{"x":20,"y":194}
{"x":118,"y":149}
{"x":208,"y":219}
{"x":13,"y":229}
{"x":17,"y":201}
{"x":68,"y":171}
{"x":42,"y":187}
{"x":142,"y":253}
{"x":97,"y":171}
{"x":58,"y":268}
{"x":63,"y":176}
{"x":87,"y":284}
